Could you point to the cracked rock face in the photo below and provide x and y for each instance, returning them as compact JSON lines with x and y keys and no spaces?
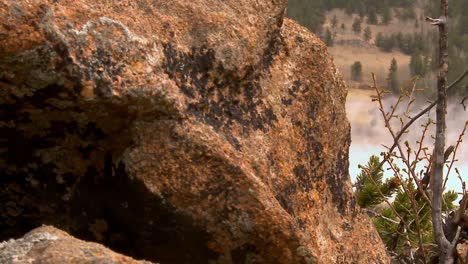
{"x":198,"y":131}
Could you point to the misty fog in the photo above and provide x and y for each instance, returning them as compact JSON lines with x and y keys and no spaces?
{"x":369,"y":133}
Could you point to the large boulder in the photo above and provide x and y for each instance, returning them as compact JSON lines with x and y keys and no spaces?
{"x":199,"y":131}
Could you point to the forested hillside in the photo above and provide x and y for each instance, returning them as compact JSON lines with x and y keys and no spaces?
{"x":394,"y":29}
{"x":311,"y":12}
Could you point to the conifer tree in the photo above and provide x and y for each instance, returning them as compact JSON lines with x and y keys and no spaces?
{"x":334,"y":22}
{"x":372,"y":17}
{"x":308,"y":13}
{"x":369,"y":190}
{"x":328,"y":38}
{"x":356,"y":71}
{"x":379,"y":40}
{"x":386,"y":16}
{"x":392,"y":78}
{"x":361,"y":9}
{"x":417,"y":66}
{"x":357,"y":25}
{"x":367,"y":34}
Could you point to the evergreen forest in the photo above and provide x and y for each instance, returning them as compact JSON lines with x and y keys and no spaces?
{"x":421,"y":44}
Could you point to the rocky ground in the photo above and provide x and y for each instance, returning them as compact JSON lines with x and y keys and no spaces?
{"x":47,"y":244}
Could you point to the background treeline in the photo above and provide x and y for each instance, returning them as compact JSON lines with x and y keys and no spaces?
{"x":408,"y":43}
{"x":421,"y":45}
{"x":311,"y":13}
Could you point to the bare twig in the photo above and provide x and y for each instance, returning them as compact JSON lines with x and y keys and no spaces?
{"x":421,"y":113}
{"x":376,"y":214}
{"x":441,"y":21}
{"x":405,"y":158}
{"x":416,"y":219}
{"x":410,"y":98}
{"x":387,"y":118}
{"x":421,"y":142}
{"x":454,"y":149}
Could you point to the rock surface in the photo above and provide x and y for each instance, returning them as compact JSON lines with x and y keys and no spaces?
{"x":462,"y":252}
{"x":47,"y":244}
{"x":177,"y":131}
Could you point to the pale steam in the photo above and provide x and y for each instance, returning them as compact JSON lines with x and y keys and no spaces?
{"x":369,"y":133}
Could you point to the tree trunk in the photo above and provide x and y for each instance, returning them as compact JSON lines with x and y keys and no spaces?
{"x":446,"y":248}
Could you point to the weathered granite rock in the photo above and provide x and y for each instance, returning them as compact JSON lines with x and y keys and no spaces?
{"x":49,"y":245}
{"x":462,"y":252}
{"x":177,"y":131}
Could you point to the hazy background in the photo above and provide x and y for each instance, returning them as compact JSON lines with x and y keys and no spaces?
{"x":368,"y":131}
{"x":375,"y":33}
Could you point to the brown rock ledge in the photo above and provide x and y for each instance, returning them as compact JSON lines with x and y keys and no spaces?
{"x":49,"y":245}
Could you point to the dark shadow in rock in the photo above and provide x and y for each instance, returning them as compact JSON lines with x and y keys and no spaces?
{"x":104,"y":204}
{"x":124,"y":215}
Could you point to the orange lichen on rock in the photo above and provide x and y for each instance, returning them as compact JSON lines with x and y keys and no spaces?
{"x":197,"y":131}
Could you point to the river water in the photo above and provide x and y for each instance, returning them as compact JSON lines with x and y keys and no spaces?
{"x":368,"y":132}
